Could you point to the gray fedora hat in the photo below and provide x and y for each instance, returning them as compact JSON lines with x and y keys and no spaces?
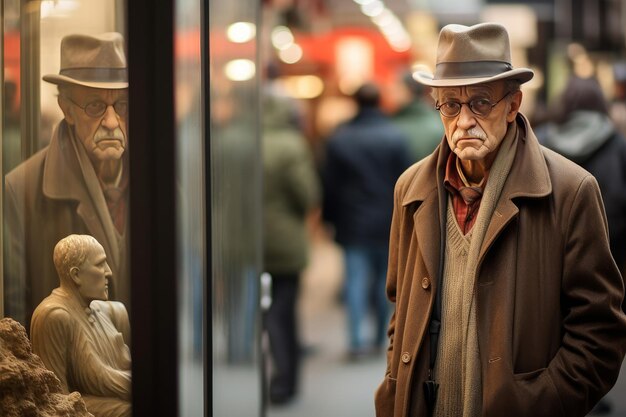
{"x":92,"y":61}
{"x":469,"y":55}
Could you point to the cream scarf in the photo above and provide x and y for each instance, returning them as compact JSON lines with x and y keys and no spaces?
{"x":458,"y":368}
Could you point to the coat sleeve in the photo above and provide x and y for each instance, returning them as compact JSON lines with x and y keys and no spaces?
{"x":119,"y":317}
{"x":51,"y":334}
{"x":329,"y":175}
{"x":301,"y":178}
{"x":594,"y":327}
{"x":14,"y":260}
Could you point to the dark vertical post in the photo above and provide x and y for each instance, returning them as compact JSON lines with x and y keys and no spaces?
{"x":208,"y":287}
{"x":153,"y":238}
{"x":2,"y":112}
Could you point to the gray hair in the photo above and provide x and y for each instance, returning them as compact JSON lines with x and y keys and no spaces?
{"x":63,"y":90}
{"x":71,"y":251}
{"x":512,"y":85}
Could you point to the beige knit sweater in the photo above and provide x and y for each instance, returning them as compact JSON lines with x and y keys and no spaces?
{"x":458,"y":361}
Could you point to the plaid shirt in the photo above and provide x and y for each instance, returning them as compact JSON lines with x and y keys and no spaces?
{"x":465,"y":198}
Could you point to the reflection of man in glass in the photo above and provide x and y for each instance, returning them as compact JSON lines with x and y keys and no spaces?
{"x":79,"y":335}
{"x":77,"y":184}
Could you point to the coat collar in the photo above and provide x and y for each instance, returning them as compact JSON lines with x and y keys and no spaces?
{"x":68,"y":175}
{"x":528,"y":177}
{"x":62,"y":178}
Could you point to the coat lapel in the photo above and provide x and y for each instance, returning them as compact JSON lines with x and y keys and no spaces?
{"x":427,"y":194}
{"x":528,"y":178}
{"x":63,"y":179}
{"x":426,"y":224}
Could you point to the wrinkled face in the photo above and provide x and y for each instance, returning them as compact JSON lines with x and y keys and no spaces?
{"x":92,"y":277}
{"x":471,"y":136}
{"x":103,"y":135}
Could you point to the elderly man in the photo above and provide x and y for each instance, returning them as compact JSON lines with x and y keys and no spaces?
{"x":79,"y":335}
{"x":507,"y":299}
{"x":77,"y":184}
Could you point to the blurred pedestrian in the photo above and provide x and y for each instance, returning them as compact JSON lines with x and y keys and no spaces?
{"x":418,"y":118}
{"x":291,"y":190}
{"x":584,"y":133}
{"x":363,"y":160}
{"x":508,"y":302}
{"x":617,"y":108}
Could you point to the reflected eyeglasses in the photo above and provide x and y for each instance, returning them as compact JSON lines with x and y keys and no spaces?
{"x":479,"y":106}
{"x":98,"y":108}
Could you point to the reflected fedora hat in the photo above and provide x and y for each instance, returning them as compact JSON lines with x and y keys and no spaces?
{"x":469,"y":55}
{"x":96,"y":61}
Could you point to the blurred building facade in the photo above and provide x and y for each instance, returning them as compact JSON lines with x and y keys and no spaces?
{"x":342,"y":44}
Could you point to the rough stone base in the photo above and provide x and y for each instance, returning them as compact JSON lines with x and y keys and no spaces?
{"x":27,"y":388}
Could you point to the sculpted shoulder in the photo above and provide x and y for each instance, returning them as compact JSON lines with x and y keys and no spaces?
{"x":51,"y":319}
{"x":27,"y":169}
{"x":51,"y":310}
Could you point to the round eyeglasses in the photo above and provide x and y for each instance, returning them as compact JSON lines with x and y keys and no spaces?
{"x":98,"y":108}
{"x":479,"y":106}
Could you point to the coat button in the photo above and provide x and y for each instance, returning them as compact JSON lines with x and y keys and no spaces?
{"x":406,"y":357}
{"x":425,"y":283}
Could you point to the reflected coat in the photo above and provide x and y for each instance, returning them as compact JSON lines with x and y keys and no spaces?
{"x":551,"y":331}
{"x":47,"y":197}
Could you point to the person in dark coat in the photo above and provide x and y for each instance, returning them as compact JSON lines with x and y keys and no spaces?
{"x":364,"y":158}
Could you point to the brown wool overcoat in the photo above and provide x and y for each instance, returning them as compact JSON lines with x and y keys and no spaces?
{"x":46,"y":198}
{"x":551,"y":332}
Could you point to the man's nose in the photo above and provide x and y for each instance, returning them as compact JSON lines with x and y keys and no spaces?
{"x":111,"y":119}
{"x":107,"y":270}
{"x":467,"y":119}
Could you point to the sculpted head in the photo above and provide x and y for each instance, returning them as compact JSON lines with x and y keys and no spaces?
{"x":93,"y":93}
{"x":81,"y":263}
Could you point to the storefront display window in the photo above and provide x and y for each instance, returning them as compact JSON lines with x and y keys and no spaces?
{"x":65,"y":166}
{"x":88,"y":202}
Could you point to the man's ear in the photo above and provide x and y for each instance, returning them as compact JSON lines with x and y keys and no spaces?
{"x":516,"y":102}
{"x":64,"y":104}
{"x":74,"y":275}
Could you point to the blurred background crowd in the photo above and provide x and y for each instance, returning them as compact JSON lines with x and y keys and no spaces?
{"x":321,"y":51}
{"x":341,"y":72}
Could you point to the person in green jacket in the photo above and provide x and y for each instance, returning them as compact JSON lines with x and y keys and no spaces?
{"x":418,"y":119}
{"x":290,"y":191}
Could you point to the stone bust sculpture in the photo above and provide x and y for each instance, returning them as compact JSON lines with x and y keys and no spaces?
{"x":80,"y":335}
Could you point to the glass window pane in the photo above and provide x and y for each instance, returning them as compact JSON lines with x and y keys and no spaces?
{"x":191,"y":216}
{"x":235,"y":184}
{"x":65,"y":172}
